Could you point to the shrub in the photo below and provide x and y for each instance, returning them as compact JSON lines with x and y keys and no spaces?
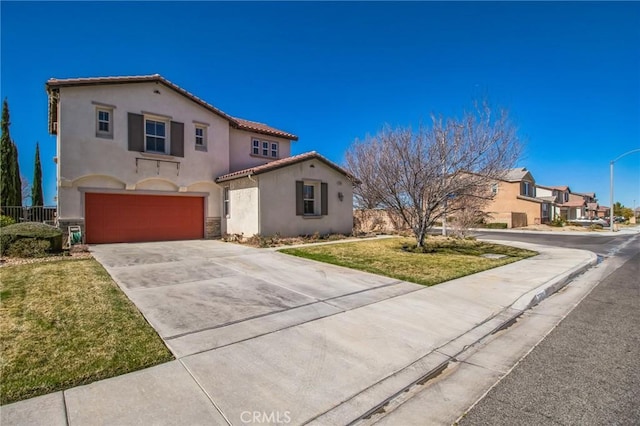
{"x":496,"y":225}
{"x":29,"y":247}
{"x":6,"y":221}
{"x":11,"y":234}
{"x":558,"y":222}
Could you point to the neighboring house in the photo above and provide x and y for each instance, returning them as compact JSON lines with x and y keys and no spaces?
{"x":515,"y":202}
{"x":570,"y":205}
{"x":603,"y":211}
{"x":141,"y":159}
{"x":574,"y":208}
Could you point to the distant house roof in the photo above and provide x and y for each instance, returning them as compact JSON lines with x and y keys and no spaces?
{"x":550,"y":199}
{"x":517,"y":174}
{"x":586,"y":194}
{"x":278,"y":164}
{"x":54,"y":83}
{"x":573,"y":203}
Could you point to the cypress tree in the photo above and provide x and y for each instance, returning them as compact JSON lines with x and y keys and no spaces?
{"x":37,"y":196}
{"x":17,"y":185}
{"x":7,"y":159}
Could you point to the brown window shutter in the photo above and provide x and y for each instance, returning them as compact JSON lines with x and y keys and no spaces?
{"x":136,"y":132}
{"x":324,"y":199}
{"x":177,"y":139}
{"x":299,"y":199}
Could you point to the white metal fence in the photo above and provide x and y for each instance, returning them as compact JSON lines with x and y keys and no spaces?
{"x":44,"y":214}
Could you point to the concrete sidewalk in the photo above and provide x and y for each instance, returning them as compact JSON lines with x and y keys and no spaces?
{"x":333,"y":369}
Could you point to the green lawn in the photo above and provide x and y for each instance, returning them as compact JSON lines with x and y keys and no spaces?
{"x":444,"y":259}
{"x":66,"y":323}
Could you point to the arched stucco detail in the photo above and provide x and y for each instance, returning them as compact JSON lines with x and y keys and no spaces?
{"x":156,"y":184}
{"x":99,"y":181}
{"x":203,"y":186}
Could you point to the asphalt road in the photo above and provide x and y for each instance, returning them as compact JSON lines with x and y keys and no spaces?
{"x":599,"y":244}
{"x":587,"y":370}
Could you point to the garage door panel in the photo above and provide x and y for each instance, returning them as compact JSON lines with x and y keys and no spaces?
{"x":111,"y":218}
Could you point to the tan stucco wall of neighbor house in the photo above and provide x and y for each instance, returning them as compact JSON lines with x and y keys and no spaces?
{"x":506,"y":201}
{"x":278,"y":201}
{"x":88,"y":161}
{"x":241,"y":148}
{"x":244,"y":210}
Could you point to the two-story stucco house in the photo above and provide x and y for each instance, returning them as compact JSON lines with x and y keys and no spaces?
{"x":141,"y":159}
{"x":515,"y":201}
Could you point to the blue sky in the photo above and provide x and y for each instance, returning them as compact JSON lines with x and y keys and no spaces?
{"x":333,"y":72}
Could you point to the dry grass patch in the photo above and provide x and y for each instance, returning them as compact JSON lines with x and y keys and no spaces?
{"x":66,"y":323}
{"x":443,"y":259}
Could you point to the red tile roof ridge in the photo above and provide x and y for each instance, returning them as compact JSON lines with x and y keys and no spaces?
{"x":237,"y":122}
{"x":272,"y":165}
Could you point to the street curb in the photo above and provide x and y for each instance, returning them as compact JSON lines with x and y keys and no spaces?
{"x":537,"y":295}
{"x":502,"y":320}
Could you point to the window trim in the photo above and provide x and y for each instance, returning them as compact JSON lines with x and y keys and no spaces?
{"x":265,"y":148}
{"x":527,"y":189}
{"x":101,"y":133}
{"x":313,"y":199}
{"x":202,"y":146}
{"x":167,"y":133}
{"x":226,"y":202}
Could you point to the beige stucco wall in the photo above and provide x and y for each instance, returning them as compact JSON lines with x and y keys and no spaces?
{"x":244,"y":207}
{"x":278,"y":201}
{"x":88,"y":161}
{"x":506,"y":202}
{"x":240,"y":149}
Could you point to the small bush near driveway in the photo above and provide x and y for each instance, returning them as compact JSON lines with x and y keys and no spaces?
{"x":66,"y":323}
{"x":442,"y":259}
{"x":33,"y":232}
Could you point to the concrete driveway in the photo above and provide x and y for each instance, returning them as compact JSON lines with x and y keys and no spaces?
{"x":202,"y":295}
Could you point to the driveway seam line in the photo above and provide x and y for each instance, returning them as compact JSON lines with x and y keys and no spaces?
{"x":175,"y":336}
{"x":205,"y":392}
{"x":341,"y":311}
{"x":66,"y":409}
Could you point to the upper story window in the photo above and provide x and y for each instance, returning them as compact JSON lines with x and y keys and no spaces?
{"x":528,"y":189}
{"x":104,"y":122}
{"x":494,"y":189}
{"x":201,"y":137}
{"x":264,"y":148}
{"x":155,"y":135}
{"x":566,"y":197}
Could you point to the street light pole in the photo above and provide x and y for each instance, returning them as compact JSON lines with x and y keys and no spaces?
{"x":611,"y":196}
{"x":611,"y":184}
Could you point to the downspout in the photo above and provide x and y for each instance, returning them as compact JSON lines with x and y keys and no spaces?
{"x":259,"y":202}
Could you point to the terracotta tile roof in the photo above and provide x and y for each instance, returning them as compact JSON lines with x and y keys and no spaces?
{"x":254,"y":126}
{"x":284,"y":162}
{"x":55,"y":83}
{"x":573,"y":203}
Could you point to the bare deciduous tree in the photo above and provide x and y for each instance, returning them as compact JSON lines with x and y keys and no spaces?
{"x":25,"y":188}
{"x":422,"y":175}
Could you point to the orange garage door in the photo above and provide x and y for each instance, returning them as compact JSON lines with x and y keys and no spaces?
{"x":119,"y":218}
